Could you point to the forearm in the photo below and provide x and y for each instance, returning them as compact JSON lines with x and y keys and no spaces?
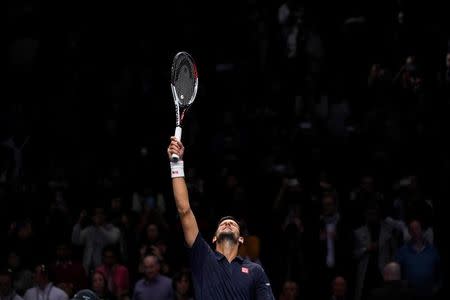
{"x":180,"y":192}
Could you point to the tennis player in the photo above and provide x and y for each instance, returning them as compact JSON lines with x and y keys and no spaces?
{"x":217,"y":274}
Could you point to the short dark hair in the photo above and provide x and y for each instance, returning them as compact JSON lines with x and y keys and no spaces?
{"x":111,"y":248}
{"x":151,"y":254}
{"x":229,"y":218}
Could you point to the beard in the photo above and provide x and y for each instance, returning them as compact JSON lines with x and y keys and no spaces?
{"x":227,"y":237}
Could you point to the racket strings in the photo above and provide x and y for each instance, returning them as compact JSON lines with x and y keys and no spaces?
{"x":184,"y":80}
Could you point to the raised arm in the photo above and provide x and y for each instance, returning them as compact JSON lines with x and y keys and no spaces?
{"x":180,"y":192}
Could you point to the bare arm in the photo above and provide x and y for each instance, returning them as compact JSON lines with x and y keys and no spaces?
{"x":180,"y":192}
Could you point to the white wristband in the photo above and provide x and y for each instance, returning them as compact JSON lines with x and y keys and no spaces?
{"x":177,"y":169}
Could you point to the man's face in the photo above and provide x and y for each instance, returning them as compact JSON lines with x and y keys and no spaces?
{"x":152,"y":232}
{"x":415,"y":230}
{"x":290,"y":290}
{"x":151,"y":267}
{"x":98,"y":283}
{"x":99,"y":216}
{"x":62,"y":252}
{"x":228,"y":229}
{"x":109,"y":258}
{"x":5,"y":285}
{"x":182,"y":285}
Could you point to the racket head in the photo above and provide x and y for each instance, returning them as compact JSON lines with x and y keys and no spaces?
{"x":184,"y":79}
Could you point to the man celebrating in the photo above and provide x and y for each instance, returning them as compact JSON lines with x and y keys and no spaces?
{"x":219,"y":274}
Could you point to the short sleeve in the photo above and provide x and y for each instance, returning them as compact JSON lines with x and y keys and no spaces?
{"x":263,"y":288}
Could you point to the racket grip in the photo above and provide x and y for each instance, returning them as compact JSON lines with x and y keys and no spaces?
{"x":175,"y":157}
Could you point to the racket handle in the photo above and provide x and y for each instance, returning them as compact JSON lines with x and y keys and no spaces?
{"x":175,"y":157}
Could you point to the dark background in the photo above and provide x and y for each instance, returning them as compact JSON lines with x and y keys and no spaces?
{"x":87,"y":88}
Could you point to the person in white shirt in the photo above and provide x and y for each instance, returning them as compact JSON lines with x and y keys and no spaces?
{"x":6,"y":289}
{"x":44,"y":289}
{"x":94,"y":237}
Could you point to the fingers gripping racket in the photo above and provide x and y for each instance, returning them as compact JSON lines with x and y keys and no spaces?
{"x":184,"y":84}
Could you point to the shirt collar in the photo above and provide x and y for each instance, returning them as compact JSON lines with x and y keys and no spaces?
{"x":156,"y":279}
{"x":415,"y":250}
{"x":220,"y":256}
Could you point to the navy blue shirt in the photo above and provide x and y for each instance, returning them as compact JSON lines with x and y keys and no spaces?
{"x":215,"y":278}
{"x":420,"y":268}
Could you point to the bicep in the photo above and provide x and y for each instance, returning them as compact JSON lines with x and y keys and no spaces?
{"x":190,"y":227}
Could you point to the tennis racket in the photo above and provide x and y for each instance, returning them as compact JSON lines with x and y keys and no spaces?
{"x":184,"y":84}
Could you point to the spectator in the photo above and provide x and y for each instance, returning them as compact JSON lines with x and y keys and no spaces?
{"x":401,"y":226}
{"x":393,"y":288}
{"x":339,"y":289}
{"x":85,"y":295}
{"x":291,"y":24}
{"x":154,"y":243}
{"x":444,"y":76}
{"x":100,"y":288}
{"x":23,"y":239}
{"x":59,"y":219}
{"x":182,"y":286}
{"x":69,"y":274}
{"x":366,"y":194}
{"x":129,"y":242}
{"x":7,"y":291}
{"x":116,"y":274}
{"x":289,"y":291}
{"x":409,"y":76}
{"x":94,"y":237}
{"x":22,"y":277}
{"x":375,"y":245}
{"x":44,"y":288}
{"x":154,"y":286}
{"x":420,"y":263}
{"x":411,"y":202}
{"x":333,"y":254}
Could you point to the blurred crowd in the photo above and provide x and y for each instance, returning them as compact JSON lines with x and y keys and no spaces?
{"x":321,"y":126}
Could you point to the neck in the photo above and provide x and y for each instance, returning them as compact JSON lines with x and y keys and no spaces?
{"x":43,"y":285}
{"x":228,"y":248}
{"x":181,"y":297}
{"x":419,"y":243}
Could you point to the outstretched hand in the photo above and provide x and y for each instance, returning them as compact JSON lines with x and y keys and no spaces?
{"x":175,"y":147}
